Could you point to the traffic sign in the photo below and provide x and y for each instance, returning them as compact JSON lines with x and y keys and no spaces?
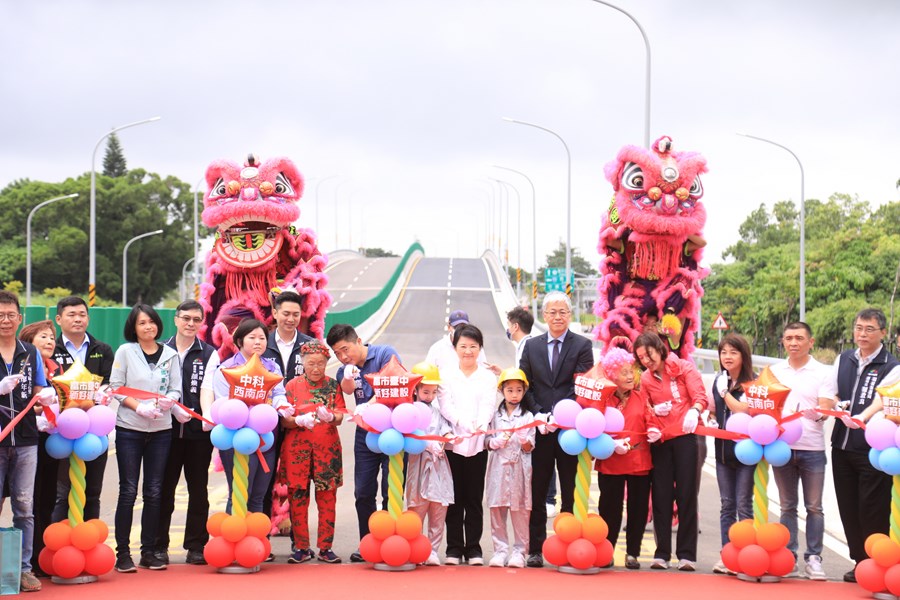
{"x":555,"y":280}
{"x":720,"y":323}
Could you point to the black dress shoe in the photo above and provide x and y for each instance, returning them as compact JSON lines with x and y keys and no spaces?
{"x":850,"y":576}
{"x":162,"y":556}
{"x":535,"y":560}
{"x":195,"y":557}
{"x":356,"y":557}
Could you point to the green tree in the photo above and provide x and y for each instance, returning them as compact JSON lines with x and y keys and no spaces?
{"x":557,"y":260}
{"x":376,"y":252}
{"x":114,"y":160}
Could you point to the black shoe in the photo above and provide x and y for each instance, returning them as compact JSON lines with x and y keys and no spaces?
{"x":149,"y":560}
{"x":270,"y":557}
{"x":357,"y":557}
{"x":850,"y":576}
{"x":124,"y":564}
{"x":195,"y":557}
{"x":535,"y":560}
{"x":162,"y":555}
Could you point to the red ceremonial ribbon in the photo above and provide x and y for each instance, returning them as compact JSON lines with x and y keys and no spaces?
{"x":15,"y":420}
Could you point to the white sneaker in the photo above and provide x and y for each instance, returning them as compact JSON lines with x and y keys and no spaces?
{"x":476,"y":561}
{"x":451,"y":560}
{"x":498,"y":560}
{"x":433,"y":560}
{"x":687,"y":565}
{"x":814,"y":570}
{"x":720,"y":569}
{"x":551,"y":511}
{"x":659,"y":563}
{"x":516,"y":561}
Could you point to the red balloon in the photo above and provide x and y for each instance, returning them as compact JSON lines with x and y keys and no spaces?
{"x":892,"y":580}
{"x":68,"y":562}
{"x":753,"y":560}
{"x":99,"y":560}
{"x":781,"y":562}
{"x":370,"y":548}
{"x":870,"y":576}
{"x":604,"y":553}
{"x":419,"y":549}
{"x":730,"y":556}
{"x":555,"y":551}
{"x":45,"y":560}
{"x":395,"y":550}
{"x":581,"y":554}
{"x":267,"y":546}
{"x":249,"y":552}
{"x":219,"y":552}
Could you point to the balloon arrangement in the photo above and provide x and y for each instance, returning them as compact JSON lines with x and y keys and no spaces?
{"x":395,"y":541}
{"x":757,"y":553}
{"x":70,"y":551}
{"x":390,"y":426}
{"x":236,"y":538}
{"x":578,"y":544}
{"x":81,"y":432}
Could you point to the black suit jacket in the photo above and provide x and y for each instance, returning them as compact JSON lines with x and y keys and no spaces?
{"x":546,"y":388}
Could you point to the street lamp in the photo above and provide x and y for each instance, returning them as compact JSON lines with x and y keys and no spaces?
{"x":183,"y":283}
{"x":125,"y":262}
{"x":533,"y":236}
{"x":505,"y":193}
{"x":802,"y":223}
{"x":28,"y":243}
{"x":646,"y":74}
{"x":568,"y":193}
{"x":197,"y":241}
{"x":318,"y":183}
{"x":92,"y":246}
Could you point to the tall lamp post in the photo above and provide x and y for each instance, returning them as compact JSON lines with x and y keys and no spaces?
{"x":505,"y":195}
{"x":568,"y":196}
{"x":802,"y":222}
{"x":28,"y":243}
{"x":92,"y":245}
{"x":518,"y":233}
{"x":197,"y":240}
{"x":125,"y":262}
{"x":533,"y":237}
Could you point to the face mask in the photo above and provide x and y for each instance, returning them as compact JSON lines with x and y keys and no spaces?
{"x":508,"y":335}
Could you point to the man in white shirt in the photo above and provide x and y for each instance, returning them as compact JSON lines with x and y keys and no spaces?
{"x":443,"y":355}
{"x":809,"y":383}
{"x":519,"y":322}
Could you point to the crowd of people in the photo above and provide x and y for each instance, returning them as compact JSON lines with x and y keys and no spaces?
{"x":662,"y":397}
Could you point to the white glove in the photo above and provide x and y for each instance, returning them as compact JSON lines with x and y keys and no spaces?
{"x":307,"y":420}
{"x":435,"y":448}
{"x":147,"y":410}
{"x":691,"y":420}
{"x":103,"y":396}
{"x":551,"y":425}
{"x":165,"y":403}
{"x":653,"y":435}
{"x":43,"y":424}
{"x":622,"y":446}
{"x":360,"y":409}
{"x":498,"y":442}
{"x":46,"y":396}
{"x":181,"y":415}
{"x":711,"y":421}
{"x":350,"y":372}
{"x":9,"y":383}
{"x":325,"y":415}
{"x":207,"y":426}
{"x":286,"y":411}
{"x":848,"y":421}
{"x":810,"y":413}
{"x":662,"y":409}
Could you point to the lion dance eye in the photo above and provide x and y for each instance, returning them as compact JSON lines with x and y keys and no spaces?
{"x":282,"y":185}
{"x":633,"y":177}
{"x":218,"y":188}
{"x":696,"y":190}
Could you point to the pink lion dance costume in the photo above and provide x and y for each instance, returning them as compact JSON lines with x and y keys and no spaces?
{"x":651,"y":244}
{"x":258,"y":252}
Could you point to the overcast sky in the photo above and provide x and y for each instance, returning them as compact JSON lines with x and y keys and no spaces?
{"x":403,"y":99}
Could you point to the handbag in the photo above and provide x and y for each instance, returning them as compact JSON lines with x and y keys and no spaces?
{"x":10,"y":560}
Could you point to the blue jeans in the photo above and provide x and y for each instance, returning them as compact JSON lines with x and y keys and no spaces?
{"x":365,"y":480}
{"x":257,"y":479}
{"x":132,"y":449}
{"x":807,"y":467}
{"x":18,"y":466}
{"x":736,"y":492}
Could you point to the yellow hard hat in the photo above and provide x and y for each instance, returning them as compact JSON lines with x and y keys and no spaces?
{"x":429,"y":372}
{"x":512,"y":374}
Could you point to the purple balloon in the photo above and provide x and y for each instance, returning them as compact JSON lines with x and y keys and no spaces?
{"x":880,"y":434}
{"x":792,"y":432}
{"x":103,"y":420}
{"x":423,"y":411}
{"x":897,"y":437}
{"x":263,"y":418}
{"x":377,"y":416}
{"x":763,"y":429}
{"x":405,"y":417}
{"x":590,"y":423}
{"x":233,"y":414}
{"x":738,"y":423}
{"x":565,"y":412}
{"x":214,"y":410}
{"x":73,"y":423}
{"x":615,"y":420}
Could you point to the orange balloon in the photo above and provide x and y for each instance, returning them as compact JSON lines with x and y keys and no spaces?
{"x":742,"y":534}
{"x":560,"y":516}
{"x":781,"y":562}
{"x":595,"y":530}
{"x":370,"y":548}
{"x":555,"y":551}
{"x":84,"y":536}
{"x":772,"y":536}
{"x":382,"y":525}
{"x":102,"y":530}
{"x":214,"y":523}
{"x":604,"y":553}
{"x":886,"y":553}
{"x":249,"y":552}
{"x":234,"y":528}
{"x":68,"y":562}
{"x":581,"y":554}
{"x":58,"y":535}
{"x":99,"y":560}
{"x":568,"y":529}
{"x":871,"y":540}
{"x":419,"y":549}
{"x":395,"y":551}
{"x":409,"y":525}
{"x":219,"y":552}
{"x":258,"y":525}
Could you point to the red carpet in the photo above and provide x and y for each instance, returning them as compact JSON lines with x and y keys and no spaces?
{"x":337,"y":582}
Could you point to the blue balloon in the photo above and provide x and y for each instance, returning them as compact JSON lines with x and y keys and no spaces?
{"x":572,"y":442}
{"x":222,"y":437}
{"x":372,"y":442}
{"x":748,"y":452}
{"x":778,"y":453}
{"x":414,"y":446}
{"x":58,"y":447}
{"x":602,"y":446}
{"x":390,"y":441}
{"x":245,"y":441}
{"x":889,"y":461}
{"x":104,"y":441}
{"x":268,"y":440}
{"x":874,"y":456}
{"x":88,"y":447}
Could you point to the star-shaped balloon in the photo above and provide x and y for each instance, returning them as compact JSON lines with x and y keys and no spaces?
{"x":890,"y":397}
{"x":76,"y":387}
{"x":593,"y":389}
{"x":251,"y":381}
{"x":393,"y":384}
{"x":765,"y":395}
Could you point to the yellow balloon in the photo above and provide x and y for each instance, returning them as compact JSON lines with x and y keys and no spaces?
{"x":890,"y":397}
{"x":76,"y":387}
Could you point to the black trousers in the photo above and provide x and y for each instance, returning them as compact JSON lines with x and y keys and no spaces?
{"x":674,"y":478}
{"x":93,"y":485}
{"x":863,"y":496}
{"x":546,"y":454}
{"x":192,"y":455}
{"x":44,"y":497}
{"x":465,"y":517}
{"x":612,"y":496}
{"x":267,"y":499}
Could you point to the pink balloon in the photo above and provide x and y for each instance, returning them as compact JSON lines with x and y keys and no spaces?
{"x":880,"y":434}
{"x":565,"y":412}
{"x":405,"y":417}
{"x":377,"y":416}
{"x":103,"y":420}
{"x":214,"y":410}
{"x":423,"y":412}
{"x":590,"y":423}
{"x":263,"y":418}
{"x":763,"y":429}
{"x":792,"y":431}
{"x":73,"y":423}
{"x":738,"y":423}
{"x":233,"y":414}
{"x":615,"y":420}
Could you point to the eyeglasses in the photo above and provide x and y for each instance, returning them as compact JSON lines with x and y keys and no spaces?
{"x":557,"y":313}
{"x":867,"y":330}
{"x":188,"y":319}
{"x":9,"y":317}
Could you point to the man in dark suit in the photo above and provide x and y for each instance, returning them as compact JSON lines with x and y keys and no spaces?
{"x":551,"y":361}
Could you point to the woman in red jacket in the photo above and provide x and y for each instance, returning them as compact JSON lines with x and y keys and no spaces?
{"x":677,"y":397}
{"x":630,"y":464}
